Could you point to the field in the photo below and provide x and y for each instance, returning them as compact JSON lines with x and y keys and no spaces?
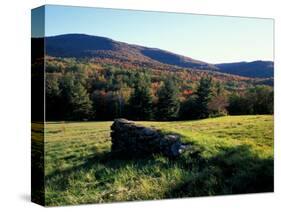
{"x":234,"y":155}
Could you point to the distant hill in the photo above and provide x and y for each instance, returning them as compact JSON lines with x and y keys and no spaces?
{"x":261,"y":69}
{"x":81,"y":45}
{"x":101,"y":48}
{"x":77,"y":45}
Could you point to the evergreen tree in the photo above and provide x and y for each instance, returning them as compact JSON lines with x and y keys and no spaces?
{"x":52,"y":90}
{"x":255,"y":100}
{"x":168,"y":101}
{"x":203,"y":97}
{"x":141,"y":99}
{"x":75,"y":99}
{"x":188,"y":109}
{"x":80,"y":102}
{"x":219,"y":101}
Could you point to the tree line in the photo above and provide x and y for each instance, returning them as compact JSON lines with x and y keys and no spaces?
{"x":138,"y":95}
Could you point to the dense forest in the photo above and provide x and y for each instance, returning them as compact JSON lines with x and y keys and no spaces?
{"x":88,"y":90}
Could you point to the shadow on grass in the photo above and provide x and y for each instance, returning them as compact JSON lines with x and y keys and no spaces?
{"x":37,"y":163}
{"x":235,"y":170}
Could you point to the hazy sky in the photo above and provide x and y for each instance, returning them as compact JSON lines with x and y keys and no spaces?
{"x":211,"y":39}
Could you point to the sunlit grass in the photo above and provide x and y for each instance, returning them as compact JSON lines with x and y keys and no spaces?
{"x":236,"y":156}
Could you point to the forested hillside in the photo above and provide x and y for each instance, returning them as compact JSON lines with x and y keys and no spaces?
{"x":81,"y":46}
{"x":85,"y":89}
{"x":96,"y":78}
{"x":104,"y":49}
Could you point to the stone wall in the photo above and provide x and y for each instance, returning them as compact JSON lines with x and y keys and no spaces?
{"x":130,"y":139}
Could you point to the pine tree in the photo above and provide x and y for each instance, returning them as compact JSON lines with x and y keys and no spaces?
{"x":75,"y":99}
{"x":141,"y":99}
{"x":168,"y":101}
{"x":203,"y":97}
{"x":80,"y":102}
{"x":52,"y":90}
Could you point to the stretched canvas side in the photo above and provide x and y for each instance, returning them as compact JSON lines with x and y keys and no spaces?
{"x":37,"y":105}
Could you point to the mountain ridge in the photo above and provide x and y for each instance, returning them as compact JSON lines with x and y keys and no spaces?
{"x":257,"y":68}
{"x":98,"y":47}
{"x":82,"y":45}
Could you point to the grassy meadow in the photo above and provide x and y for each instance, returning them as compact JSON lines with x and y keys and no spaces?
{"x":234,"y":155}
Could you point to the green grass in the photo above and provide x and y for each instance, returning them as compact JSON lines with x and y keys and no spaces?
{"x":235,"y":155}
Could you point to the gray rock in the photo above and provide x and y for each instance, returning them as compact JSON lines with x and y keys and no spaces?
{"x":129,"y":139}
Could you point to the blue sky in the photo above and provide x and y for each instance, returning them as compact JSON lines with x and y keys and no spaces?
{"x":213,"y":39}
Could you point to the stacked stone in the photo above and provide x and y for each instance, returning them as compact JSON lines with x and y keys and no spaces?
{"x":129,"y":139}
